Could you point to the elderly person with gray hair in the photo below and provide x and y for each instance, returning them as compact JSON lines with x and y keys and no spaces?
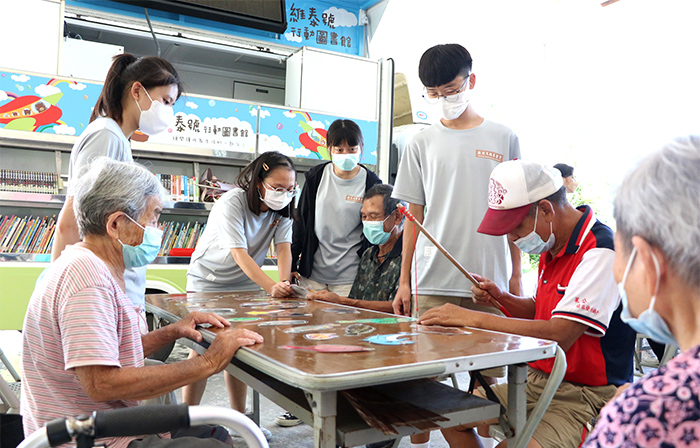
{"x":657,"y":263}
{"x":82,"y":350}
{"x":377,"y":277}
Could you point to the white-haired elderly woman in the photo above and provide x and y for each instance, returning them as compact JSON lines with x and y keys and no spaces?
{"x":657,"y":262}
{"x":82,"y":349}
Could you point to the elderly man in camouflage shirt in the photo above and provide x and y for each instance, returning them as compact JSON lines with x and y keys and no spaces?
{"x":380,"y":266}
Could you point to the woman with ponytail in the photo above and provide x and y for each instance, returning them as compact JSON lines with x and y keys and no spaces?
{"x":138,"y":94}
{"x":231,"y":251}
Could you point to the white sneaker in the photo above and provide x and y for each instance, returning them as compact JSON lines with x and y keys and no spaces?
{"x":287,"y":419}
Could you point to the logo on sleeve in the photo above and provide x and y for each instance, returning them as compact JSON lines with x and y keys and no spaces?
{"x":354,"y":198}
{"x":582,"y":304}
{"x":274,"y":223}
{"x":480,"y":153}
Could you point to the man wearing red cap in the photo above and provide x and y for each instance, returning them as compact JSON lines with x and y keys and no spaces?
{"x":576,"y":304}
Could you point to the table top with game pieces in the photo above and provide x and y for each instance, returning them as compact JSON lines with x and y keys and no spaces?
{"x":321,"y":346}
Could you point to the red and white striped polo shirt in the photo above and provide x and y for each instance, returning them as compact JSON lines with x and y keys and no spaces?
{"x":77,"y":316}
{"x":578,"y":284}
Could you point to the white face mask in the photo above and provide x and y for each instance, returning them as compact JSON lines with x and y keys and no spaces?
{"x":156,"y":119}
{"x":346,"y":162}
{"x":452,"y":110}
{"x":532,"y":243}
{"x":276,"y":200}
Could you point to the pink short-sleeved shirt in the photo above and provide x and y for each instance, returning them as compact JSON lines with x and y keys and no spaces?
{"x":77,"y":316}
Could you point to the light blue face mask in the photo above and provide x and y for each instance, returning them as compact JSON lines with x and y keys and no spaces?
{"x":147,"y":251}
{"x":532,"y":243}
{"x":374,"y":231}
{"x":649,"y":322}
{"x":346,"y":162}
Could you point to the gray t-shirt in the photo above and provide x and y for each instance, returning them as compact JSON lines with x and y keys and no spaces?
{"x":338,"y":227}
{"x":104,"y":138}
{"x":232,"y":225}
{"x":448,"y":171}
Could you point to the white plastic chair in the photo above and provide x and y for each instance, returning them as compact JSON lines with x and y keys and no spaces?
{"x":9,"y":392}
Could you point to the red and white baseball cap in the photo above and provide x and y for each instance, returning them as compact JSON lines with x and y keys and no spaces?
{"x":513,"y":187}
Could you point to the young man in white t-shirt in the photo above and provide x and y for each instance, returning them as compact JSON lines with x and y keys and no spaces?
{"x":444,"y":177}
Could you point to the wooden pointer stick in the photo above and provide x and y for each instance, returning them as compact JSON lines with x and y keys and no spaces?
{"x":449,"y":256}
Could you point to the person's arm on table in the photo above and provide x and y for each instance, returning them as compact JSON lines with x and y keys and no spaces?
{"x":374,"y":305}
{"x":255,"y":273}
{"x":284,"y":261}
{"x":184,"y":328}
{"x":515,"y":285}
{"x":66,"y":229}
{"x":563,"y":331}
{"x":110,"y":383}
{"x":402,"y":300}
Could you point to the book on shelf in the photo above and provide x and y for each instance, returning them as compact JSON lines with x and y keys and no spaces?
{"x":28,"y":181}
{"x":27,"y":235}
{"x":179,"y":188}
{"x":180,"y":235}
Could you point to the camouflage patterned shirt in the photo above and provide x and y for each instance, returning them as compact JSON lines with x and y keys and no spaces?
{"x":378,"y":280}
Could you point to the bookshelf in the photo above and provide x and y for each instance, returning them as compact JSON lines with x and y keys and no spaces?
{"x":27,"y":235}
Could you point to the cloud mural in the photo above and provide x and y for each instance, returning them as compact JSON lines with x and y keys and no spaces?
{"x":291,"y":37}
{"x":44,"y":90}
{"x":63,"y":129}
{"x":342,"y":17}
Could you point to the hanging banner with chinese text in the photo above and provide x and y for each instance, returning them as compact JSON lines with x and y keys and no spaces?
{"x":209,"y":123}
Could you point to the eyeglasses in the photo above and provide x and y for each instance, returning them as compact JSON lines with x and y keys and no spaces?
{"x":450,"y":95}
{"x":291,"y":192}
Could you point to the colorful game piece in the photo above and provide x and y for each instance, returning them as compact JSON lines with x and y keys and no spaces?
{"x":263,"y":312}
{"x":289,"y":313}
{"x":309,"y":328}
{"x":221,"y":311}
{"x":383,"y":320}
{"x":437,"y":329}
{"x":300,"y":291}
{"x":251,"y":304}
{"x":244,"y":319}
{"x":358,"y":329}
{"x":330,"y":348}
{"x":320,"y":336}
{"x":341,"y":310}
{"x":391,"y":339}
{"x":278,"y":323}
{"x":279,"y":306}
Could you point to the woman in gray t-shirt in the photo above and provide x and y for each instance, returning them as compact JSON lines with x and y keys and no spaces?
{"x":328,"y":233}
{"x":230,"y":253}
{"x":138,"y":93}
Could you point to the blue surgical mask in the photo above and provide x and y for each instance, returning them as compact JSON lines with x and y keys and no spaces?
{"x":147,"y":251}
{"x":346,"y":162}
{"x":532,"y":243}
{"x":649,"y":322}
{"x":374,"y":231}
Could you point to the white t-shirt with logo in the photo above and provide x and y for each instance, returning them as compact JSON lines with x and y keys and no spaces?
{"x":448,"y":170}
{"x":232,"y":225}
